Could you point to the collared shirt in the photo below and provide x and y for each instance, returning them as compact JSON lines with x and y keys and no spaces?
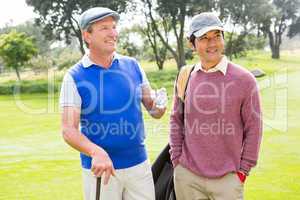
{"x":87,"y":62}
{"x":221,"y":66}
{"x":69,"y":95}
{"x":223,"y":114}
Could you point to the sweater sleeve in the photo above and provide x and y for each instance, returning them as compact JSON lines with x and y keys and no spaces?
{"x":252,"y":121}
{"x":176,"y":130}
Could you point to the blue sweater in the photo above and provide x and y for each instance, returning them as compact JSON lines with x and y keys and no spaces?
{"x":111,"y":115}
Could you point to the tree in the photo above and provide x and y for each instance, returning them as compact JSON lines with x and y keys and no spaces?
{"x":16,"y":49}
{"x":60,"y":18}
{"x":176,"y":11}
{"x":40,"y":63}
{"x":277,"y":21}
{"x":126,"y":44}
{"x":35,"y":32}
{"x":158,"y":49}
{"x":294,"y":28}
{"x":242,"y":16}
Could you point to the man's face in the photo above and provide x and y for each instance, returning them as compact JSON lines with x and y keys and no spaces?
{"x":103,"y":35}
{"x":210,"y":47}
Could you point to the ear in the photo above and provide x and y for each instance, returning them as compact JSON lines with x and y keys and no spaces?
{"x":190,"y":45}
{"x":86,"y":36}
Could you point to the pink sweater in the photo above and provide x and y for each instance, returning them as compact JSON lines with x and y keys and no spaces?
{"x":222,"y":126}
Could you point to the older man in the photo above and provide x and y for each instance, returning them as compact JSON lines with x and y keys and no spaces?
{"x":103,"y":93}
{"x":216,"y":128}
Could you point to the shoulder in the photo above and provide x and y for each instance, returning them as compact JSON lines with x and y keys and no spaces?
{"x":186,"y":69}
{"x":245,"y":78}
{"x":76,"y":72}
{"x":129,"y":63}
{"x":126,"y":59}
{"x":75,"y":69}
{"x":185,"y":72}
{"x":240,"y":72}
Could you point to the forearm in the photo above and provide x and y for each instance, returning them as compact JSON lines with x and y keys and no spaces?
{"x":250,"y":150}
{"x":80,"y":142}
{"x":252,"y":120}
{"x":176,"y":131}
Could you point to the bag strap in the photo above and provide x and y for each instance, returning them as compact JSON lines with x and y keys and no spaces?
{"x":182,"y":80}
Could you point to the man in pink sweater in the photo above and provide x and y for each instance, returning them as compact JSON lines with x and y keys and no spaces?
{"x":216,"y":132}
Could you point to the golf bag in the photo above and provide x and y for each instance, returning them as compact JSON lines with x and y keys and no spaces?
{"x":162,"y":171}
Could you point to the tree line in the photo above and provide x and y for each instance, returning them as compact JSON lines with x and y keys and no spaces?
{"x":264,"y":18}
{"x":162,"y":32}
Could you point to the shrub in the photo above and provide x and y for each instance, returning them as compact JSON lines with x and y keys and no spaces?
{"x":40,"y":86}
{"x":40,"y":63}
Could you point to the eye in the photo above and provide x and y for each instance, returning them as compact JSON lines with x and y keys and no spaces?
{"x":203,"y":38}
{"x":103,"y":28}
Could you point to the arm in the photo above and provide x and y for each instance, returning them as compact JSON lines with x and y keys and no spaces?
{"x":176,"y":130}
{"x":101,"y":162}
{"x":71,"y":134}
{"x":70,"y":102}
{"x":149,"y":103}
{"x":252,"y":121}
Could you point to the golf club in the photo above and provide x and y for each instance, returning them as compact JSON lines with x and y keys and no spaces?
{"x":98,"y":188}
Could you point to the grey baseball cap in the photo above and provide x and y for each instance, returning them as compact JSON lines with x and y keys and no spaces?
{"x":204,"y":22}
{"x":95,"y":14}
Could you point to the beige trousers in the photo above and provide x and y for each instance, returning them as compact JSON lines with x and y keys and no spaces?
{"x":134,"y":183}
{"x":189,"y":186}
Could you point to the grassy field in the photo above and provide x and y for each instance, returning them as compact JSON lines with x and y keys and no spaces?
{"x":35,"y":163}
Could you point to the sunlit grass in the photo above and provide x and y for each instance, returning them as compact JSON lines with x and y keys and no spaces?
{"x":36,"y":164}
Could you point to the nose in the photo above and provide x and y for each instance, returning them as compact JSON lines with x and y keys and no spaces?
{"x":114,"y":32}
{"x":212,"y":41}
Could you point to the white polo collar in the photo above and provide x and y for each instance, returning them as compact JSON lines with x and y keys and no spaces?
{"x":87,"y":62}
{"x":221,"y":66}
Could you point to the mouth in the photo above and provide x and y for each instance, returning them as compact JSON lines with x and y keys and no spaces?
{"x":111,"y":42}
{"x":211,"y":51}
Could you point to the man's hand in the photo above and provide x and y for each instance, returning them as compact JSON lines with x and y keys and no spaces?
{"x":155,"y":101}
{"x":101,"y":163}
{"x":160,"y":98}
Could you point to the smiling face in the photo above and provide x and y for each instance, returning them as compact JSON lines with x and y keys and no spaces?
{"x":210,"y":47}
{"x":102,"y":36}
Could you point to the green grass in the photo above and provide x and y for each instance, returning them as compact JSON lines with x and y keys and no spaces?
{"x":35,"y":163}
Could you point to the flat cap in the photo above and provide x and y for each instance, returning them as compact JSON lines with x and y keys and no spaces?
{"x":95,"y":14}
{"x":203,"y":23}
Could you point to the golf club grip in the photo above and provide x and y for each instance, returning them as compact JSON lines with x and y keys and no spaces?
{"x":98,"y":188}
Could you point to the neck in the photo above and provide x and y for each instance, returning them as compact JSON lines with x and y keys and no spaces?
{"x":101,"y":58}
{"x":208,"y":65}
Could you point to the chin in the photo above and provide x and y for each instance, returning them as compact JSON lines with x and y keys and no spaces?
{"x":215,"y":58}
{"x":111,"y":49}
